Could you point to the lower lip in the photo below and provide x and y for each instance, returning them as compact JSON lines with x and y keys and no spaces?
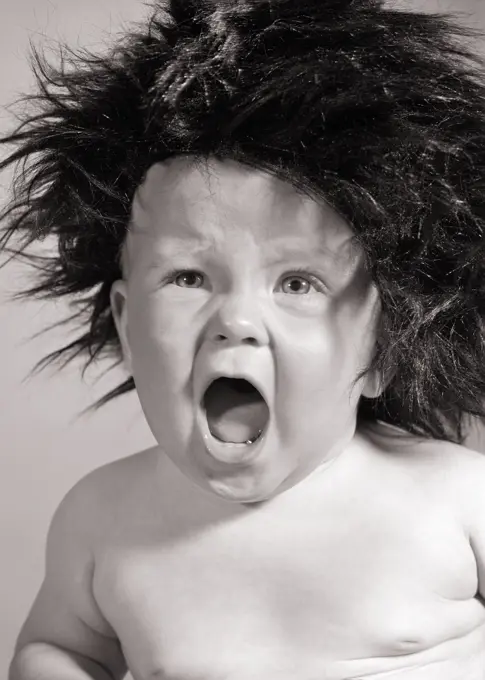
{"x":227,"y":452}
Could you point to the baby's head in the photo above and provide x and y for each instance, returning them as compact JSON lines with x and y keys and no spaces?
{"x":245,"y":313}
{"x":274,"y":214}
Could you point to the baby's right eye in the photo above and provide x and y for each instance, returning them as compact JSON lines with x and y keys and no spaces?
{"x":186,"y":279}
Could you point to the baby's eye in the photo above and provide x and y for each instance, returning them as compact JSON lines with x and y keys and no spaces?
{"x":298,"y":284}
{"x":187,"y":279}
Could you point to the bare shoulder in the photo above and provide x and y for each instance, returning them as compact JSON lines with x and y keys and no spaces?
{"x":101,"y":495}
{"x":468,"y":467}
{"x":65,"y":612}
{"x":401,"y":445}
{"x":122,"y":474}
{"x":455,"y":471}
{"x":460,"y":463}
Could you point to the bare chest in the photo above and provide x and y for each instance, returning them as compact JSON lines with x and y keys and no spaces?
{"x":307,"y":597}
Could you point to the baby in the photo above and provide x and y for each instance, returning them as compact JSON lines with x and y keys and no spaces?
{"x":273,"y":213}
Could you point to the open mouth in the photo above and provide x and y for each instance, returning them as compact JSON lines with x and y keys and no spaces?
{"x":235,"y":410}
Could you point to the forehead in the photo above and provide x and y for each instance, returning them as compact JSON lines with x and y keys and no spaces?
{"x":191,"y":203}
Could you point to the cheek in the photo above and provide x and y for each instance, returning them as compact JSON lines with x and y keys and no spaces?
{"x":315,"y":347}
{"x":162,"y":365}
{"x":321,"y":360}
{"x":356,"y":325}
{"x":162,"y":347}
{"x":309,"y":380}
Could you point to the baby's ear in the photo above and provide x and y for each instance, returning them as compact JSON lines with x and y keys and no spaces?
{"x":118,"y":297}
{"x":375,"y":384}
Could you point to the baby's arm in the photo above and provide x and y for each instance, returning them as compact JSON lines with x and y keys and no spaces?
{"x":472,"y":493}
{"x":65,"y":636}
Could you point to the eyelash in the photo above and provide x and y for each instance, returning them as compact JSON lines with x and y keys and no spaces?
{"x":172,"y":275}
{"x":314,"y":280}
{"x":308,"y":274}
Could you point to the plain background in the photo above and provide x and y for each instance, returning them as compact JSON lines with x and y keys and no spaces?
{"x":45,"y":448}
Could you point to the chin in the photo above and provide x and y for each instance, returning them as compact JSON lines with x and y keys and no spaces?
{"x":249,"y":485}
{"x":232,"y":493}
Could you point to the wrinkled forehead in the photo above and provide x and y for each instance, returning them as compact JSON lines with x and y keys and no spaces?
{"x":186,"y":200}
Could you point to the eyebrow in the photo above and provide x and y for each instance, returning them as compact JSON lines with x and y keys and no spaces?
{"x":180,"y":247}
{"x":279,"y":248}
{"x":285,"y":248}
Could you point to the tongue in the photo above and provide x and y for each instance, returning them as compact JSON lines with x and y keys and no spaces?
{"x":236,"y":412}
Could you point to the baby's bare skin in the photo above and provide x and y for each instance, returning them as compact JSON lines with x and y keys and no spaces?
{"x":363,"y":570}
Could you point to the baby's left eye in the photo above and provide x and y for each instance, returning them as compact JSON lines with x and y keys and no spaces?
{"x":298,"y":284}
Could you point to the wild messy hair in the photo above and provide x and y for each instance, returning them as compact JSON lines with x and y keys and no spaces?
{"x":379,"y":112}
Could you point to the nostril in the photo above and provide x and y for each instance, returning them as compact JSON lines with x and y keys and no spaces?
{"x":249,"y":340}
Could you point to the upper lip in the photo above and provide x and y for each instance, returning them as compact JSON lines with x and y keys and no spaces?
{"x":240,"y":375}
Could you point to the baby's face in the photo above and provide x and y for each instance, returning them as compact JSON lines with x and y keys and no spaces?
{"x":232,"y":274}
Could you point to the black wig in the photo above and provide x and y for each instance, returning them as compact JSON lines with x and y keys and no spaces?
{"x":379,"y":112}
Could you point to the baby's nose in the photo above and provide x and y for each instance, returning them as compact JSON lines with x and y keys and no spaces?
{"x":239,"y":321}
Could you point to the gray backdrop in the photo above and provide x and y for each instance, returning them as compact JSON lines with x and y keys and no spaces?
{"x":44,"y":449}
